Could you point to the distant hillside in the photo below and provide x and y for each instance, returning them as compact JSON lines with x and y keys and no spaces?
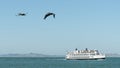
{"x":112,"y":55}
{"x":43,"y":55}
{"x":27,"y":55}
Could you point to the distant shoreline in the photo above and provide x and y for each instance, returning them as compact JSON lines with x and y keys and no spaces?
{"x":43,"y":55}
{"x":29,"y":55}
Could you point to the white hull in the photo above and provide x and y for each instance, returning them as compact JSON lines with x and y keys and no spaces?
{"x":87,"y":57}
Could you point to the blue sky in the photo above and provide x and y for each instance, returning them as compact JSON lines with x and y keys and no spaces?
{"x":92,"y":24}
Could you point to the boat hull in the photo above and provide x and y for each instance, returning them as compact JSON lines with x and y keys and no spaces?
{"x":68,"y":57}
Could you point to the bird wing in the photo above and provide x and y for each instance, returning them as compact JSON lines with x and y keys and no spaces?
{"x":45,"y":16}
{"x":54,"y":15}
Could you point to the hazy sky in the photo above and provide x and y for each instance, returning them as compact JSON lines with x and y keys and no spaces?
{"x":93,"y":24}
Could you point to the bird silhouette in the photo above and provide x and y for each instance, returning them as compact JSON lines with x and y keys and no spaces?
{"x":48,"y":14}
{"x":21,"y":14}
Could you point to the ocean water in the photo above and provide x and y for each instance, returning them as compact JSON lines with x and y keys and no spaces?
{"x":57,"y":62}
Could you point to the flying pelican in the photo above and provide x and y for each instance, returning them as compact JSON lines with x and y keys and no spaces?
{"x":48,"y":14}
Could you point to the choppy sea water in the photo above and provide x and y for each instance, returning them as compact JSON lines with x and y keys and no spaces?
{"x":57,"y":62}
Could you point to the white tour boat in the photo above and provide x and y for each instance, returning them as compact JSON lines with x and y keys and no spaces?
{"x":84,"y":54}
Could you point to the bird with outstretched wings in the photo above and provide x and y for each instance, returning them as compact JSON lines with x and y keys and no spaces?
{"x":21,"y":14}
{"x":49,"y":14}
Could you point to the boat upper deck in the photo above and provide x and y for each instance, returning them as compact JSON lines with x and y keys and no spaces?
{"x":86,"y":51}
